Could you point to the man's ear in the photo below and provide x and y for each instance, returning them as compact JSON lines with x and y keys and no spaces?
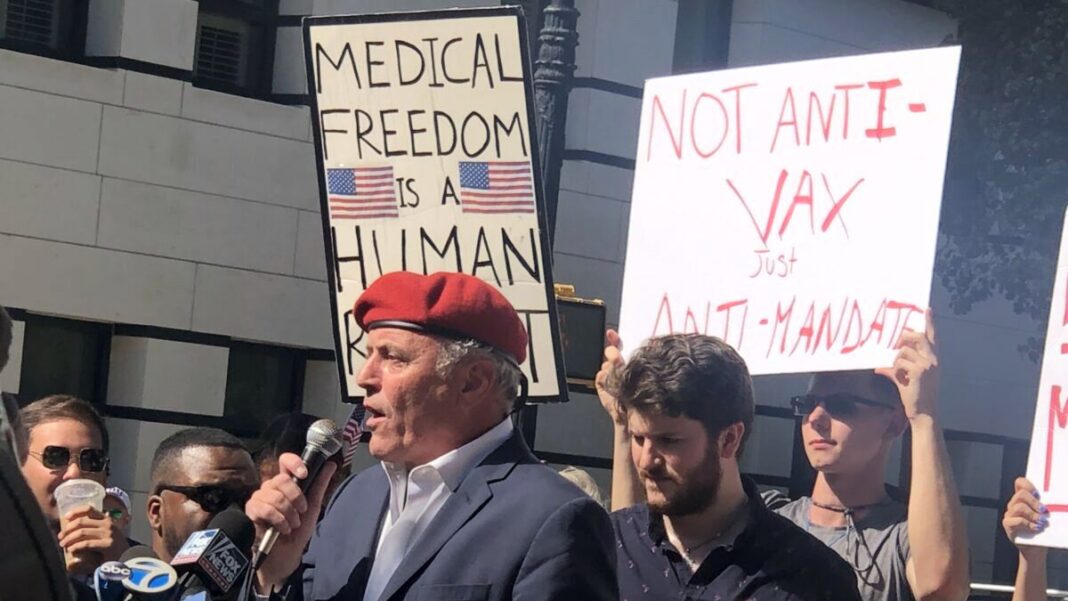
{"x":730,"y":440}
{"x":479,"y":377}
{"x":154,"y":513}
{"x":898,"y":424}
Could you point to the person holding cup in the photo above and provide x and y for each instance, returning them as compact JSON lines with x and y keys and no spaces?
{"x":69,"y":441}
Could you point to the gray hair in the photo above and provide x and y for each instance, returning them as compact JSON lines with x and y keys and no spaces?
{"x":508,"y":377}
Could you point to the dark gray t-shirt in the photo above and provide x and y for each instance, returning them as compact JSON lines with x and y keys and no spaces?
{"x":879,"y":559}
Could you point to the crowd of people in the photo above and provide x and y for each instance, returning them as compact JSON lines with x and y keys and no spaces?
{"x":459,"y":508}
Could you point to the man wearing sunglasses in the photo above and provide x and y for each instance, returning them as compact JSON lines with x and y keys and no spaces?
{"x":68,"y":440}
{"x":196,"y":473}
{"x":117,"y":507}
{"x":849,"y":421}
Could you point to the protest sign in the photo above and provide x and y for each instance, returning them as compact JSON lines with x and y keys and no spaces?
{"x":791,"y":209}
{"x":1047,"y":462}
{"x":427,"y":159}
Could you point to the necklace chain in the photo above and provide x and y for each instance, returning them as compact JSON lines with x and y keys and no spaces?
{"x":689,"y":549}
{"x":848,"y":511}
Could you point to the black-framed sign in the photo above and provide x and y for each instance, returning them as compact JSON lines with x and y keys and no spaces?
{"x":427,"y":161}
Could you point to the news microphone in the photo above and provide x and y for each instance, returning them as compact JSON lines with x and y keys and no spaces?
{"x":137,"y":551}
{"x":324,"y":439}
{"x":107,"y":581}
{"x":150,"y":579}
{"x":218,"y":556}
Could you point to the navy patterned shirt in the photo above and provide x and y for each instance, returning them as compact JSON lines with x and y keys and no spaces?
{"x":770,"y":560}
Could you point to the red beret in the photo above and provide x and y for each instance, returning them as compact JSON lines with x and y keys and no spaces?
{"x":454,"y":305}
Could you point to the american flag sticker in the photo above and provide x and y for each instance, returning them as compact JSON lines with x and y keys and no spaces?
{"x":361,"y":193}
{"x":497,"y":187}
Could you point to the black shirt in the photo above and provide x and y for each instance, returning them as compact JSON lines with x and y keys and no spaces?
{"x":771,"y":560}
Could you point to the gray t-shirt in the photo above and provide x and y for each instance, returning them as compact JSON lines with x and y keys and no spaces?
{"x":879,"y":559}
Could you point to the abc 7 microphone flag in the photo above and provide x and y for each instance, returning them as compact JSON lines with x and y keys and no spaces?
{"x":150,"y":578}
{"x":107,"y":581}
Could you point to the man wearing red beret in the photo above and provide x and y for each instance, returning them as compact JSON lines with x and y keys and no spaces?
{"x":459,"y":509}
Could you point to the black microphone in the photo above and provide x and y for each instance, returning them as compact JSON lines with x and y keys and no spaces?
{"x":218,"y":556}
{"x":137,"y":551}
{"x":324,"y":439}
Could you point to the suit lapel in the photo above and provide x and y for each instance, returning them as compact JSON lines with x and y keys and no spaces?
{"x":473,"y":494}
{"x":375,"y":508}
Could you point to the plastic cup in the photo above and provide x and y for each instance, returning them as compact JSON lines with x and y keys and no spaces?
{"x":71,"y":495}
{"x":78,"y":493}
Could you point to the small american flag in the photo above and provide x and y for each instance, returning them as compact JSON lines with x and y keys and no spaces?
{"x":499,"y":187}
{"x":361,"y":193}
{"x":351,"y":434}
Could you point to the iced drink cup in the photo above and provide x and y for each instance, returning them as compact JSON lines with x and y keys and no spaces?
{"x":71,"y":495}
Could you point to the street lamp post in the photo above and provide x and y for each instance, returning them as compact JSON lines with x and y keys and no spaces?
{"x":553,"y":74}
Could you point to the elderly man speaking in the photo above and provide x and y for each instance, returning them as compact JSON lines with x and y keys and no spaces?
{"x":459,"y":508}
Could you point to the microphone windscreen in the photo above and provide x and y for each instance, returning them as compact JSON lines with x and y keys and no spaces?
{"x":237,"y":527}
{"x":137,"y":551}
{"x":324,"y":434}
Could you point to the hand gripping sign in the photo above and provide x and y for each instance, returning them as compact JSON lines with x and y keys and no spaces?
{"x":1047,"y":463}
{"x":790,"y":209}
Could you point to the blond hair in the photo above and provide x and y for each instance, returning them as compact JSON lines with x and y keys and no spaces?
{"x":585,"y":482}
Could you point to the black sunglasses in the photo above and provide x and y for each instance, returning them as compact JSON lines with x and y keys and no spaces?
{"x":213,"y":498}
{"x":58,"y":458}
{"x":840,"y":404}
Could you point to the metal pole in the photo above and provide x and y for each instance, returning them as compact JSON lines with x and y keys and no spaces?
{"x":1008,"y":590}
{"x":553,"y":74}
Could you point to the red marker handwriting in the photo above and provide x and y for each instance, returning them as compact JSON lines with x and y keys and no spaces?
{"x":803,"y":198}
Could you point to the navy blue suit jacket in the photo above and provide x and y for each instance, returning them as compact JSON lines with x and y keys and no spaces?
{"x":514,"y":529}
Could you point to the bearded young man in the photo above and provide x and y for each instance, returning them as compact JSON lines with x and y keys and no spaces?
{"x":703,"y":532}
{"x":849,"y":421}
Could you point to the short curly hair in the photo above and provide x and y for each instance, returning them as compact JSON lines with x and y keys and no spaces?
{"x":687,"y":375}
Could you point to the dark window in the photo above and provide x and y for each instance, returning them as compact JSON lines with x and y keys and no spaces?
{"x":49,"y":27}
{"x":235,"y":46}
{"x":582,"y":325}
{"x":33,"y":21}
{"x":62,"y":356}
{"x":262,"y":382}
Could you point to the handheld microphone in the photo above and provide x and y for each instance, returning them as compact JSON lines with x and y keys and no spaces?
{"x":107,"y":581}
{"x":150,"y":579}
{"x":324,"y":439}
{"x":217,"y":556}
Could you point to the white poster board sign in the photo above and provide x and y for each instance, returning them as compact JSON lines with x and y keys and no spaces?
{"x":1047,"y":462}
{"x":791,"y":209}
{"x":427,"y":159}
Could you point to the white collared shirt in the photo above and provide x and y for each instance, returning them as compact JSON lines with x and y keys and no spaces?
{"x":420,"y":493}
